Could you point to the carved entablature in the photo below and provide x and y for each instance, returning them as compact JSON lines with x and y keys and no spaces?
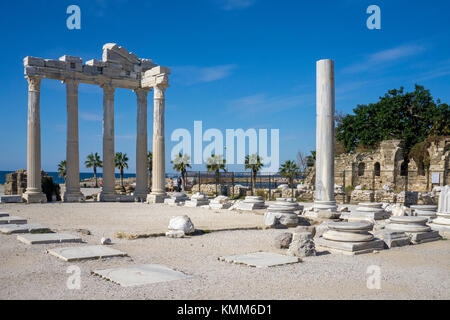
{"x":118,"y":68}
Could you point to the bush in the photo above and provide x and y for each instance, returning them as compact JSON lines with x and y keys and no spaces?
{"x":50,"y":188}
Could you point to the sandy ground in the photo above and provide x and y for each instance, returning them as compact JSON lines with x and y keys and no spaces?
{"x":27,"y":272}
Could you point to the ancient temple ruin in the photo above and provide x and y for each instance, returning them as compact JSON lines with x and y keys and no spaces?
{"x":117,"y":69}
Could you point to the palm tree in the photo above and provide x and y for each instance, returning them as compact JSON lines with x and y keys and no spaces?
{"x":215,"y":164}
{"x":180,"y":164}
{"x":150,"y":168}
{"x":121,"y":163}
{"x":62,"y":170}
{"x":94,"y":161}
{"x":289,"y":169}
{"x":254,"y":163}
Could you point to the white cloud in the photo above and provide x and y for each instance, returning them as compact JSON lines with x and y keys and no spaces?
{"x":194,"y":74}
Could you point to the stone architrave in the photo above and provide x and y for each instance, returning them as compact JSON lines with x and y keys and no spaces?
{"x":197,"y":200}
{"x":325,"y":203}
{"x":414,"y":227}
{"x":251,"y":203}
{"x":34,"y":192}
{"x":108,"y":192}
{"x":442,"y":222}
{"x":349,"y":238}
{"x":73,"y":191}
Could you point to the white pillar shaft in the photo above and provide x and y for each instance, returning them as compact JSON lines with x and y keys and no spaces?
{"x":325,"y":132}
{"x":34,"y":136}
{"x":108,"y":142}
{"x":141,"y":145}
{"x":158,"y":174}
{"x":72,"y":148}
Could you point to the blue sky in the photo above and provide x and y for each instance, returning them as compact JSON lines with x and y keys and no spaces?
{"x":235,"y":64}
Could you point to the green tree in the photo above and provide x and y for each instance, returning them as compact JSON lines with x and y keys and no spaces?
{"x":180,"y":164}
{"x":150,"y":168}
{"x":62,"y":170}
{"x":408,"y":116}
{"x":254,"y":163}
{"x":311,"y":159}
{"x":215,"y":163}
{"x":289,"y":169}
{"x":121,"y":161}
{"x":93,"y":161}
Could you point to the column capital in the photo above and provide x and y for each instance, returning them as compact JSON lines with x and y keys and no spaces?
{"x":142,"y":92}
{"x":108,"y":88}
{"x":71,"y":81}
{"x":160,"y":90}
{"x":34,"y":83}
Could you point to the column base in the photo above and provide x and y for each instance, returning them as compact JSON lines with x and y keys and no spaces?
{"x":325,"y":210}
{"x":73,"y":197}
{"x":108,"y":197}
{"x":140,"y":197}
{"x":156,"y":197}
{"x":35,"y":197}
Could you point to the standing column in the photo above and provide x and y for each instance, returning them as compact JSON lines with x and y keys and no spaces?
{"x":325,"y":204}
{"x":141,"y":146}
{"x":158,"y":193}
{"x":73,"y":192}
{"x":109,"y":181}
{"x":34,"y":193}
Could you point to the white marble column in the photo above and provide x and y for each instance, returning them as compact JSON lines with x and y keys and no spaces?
{"x":158,"y":193}
{"x":141,"y":191}
{"x":108,"y":189}
{"x":73,"y":192}
{"x":325,"y":204}
{"x":34,"y":193}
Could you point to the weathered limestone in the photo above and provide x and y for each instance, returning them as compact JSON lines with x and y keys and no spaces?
{"x":282,"y":241}
{"x":261,"y":259}
{"x":414,"y":227}
{"x":10,"y":199}
{"x":324,"y":200}
{"x":349,"y":238}
{"x":73,"y":191}
{"x":23,"y":228}
{"x":393,"y":238}
{"x":34,"y":192}
{"x":281,"y":213}
{"x":141,"y":275}
{"x":109,"y":180}
{"x":176,"y":199}
{"x":220,"y":202}
{"x":180,"y":226}
{"x":47,"y":238}
{"x":302,"y":245}
{"x":367,"y":211}
{"x":442,"y":222}
{"x":197,"y":200}
{"x":85,"y":253}
{"x":251,"y":203}
{"x":158,"y":80}
{"x":141,"y":191}
{"x":428,"y":211}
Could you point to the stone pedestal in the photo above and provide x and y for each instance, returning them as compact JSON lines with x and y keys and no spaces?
{"x":197,"y":200}
{"x":281,"y":213}
{"x":349,"y":238}
{"x":176,"y":199}
{"x":414,"y":227}
{"x":393,"y":238}
{"x":220,"y":202}
{"x":428,"y":211}
{"x":367,"y":211}
{"x":34,"y":193}
{"x":325,"y":203}
{"x":109,"y":180}
{"x":251,"y":203}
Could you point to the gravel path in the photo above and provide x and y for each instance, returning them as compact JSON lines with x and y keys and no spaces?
{"x":27,"y":272}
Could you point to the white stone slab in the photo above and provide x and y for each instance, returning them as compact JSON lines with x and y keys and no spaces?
{"x":141,"y":275}
{"x":12,"y":220}
{"x":46,"y":238}
{"x":23,"y":228}
{"x":260,"y":259}
{"x":4,"y":214}
{"x":10,"y":199}
{"x":85,"y":253}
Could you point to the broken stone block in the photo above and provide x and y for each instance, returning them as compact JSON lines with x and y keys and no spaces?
{"x":181,"y":223}
{"x":394,"y":238}
{"x":308,"y":229}
{"x":33,"y":62}
{"x":302,"y":245}
{"x":282,"y":241}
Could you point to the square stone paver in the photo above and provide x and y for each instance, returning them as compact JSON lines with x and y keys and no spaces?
{"x":23,"y":228}
{"x":85,"y":253}
{"x":260,"y":259}
{"x":12,"y":220}
{"x":10,"y":199}
{"x":141,"y":275}
{"x":4,"y":214}
{"x":46,"y":238}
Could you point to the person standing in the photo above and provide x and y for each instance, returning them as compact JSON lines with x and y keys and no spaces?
{"x":179,"y":182}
